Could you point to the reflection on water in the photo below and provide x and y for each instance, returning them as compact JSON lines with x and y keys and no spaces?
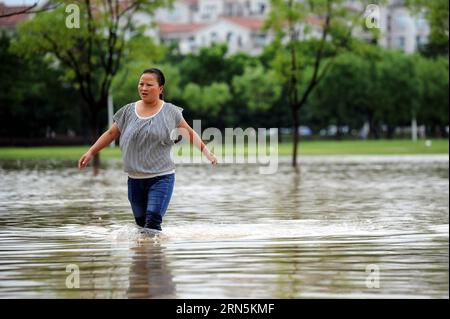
{"x":150,"y":275}
{"x":230,"y":232}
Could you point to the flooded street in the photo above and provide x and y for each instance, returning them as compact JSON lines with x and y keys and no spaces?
{"x":345,"y":227}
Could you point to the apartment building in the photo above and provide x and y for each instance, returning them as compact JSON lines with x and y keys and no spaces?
{"x":196,"y":23}
{"x":203,"y":11}
{"x":402,"y":30}
{"x":192,"y":24}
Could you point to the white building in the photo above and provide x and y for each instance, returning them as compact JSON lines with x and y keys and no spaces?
{"x":240,"y":34}
{"x":196,"y":23}
{"x":181,"y":12}
{"x":202,"y":11}
{"x":192,"y":24}
{"x":402,"y":30}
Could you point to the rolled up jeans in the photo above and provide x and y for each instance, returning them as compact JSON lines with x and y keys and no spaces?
{"x":149,"y":199}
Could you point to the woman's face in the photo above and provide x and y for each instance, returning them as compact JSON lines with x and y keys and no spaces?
{"x":149,"y":88}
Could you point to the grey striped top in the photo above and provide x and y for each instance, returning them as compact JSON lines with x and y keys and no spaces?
{"x":146,"y":142}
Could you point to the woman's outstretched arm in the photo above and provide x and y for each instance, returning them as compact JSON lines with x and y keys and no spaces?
{"x":104,"y":140}
{"x":197,"y":141}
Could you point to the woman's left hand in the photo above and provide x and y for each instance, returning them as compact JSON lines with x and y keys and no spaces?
{"x":212,"y":158}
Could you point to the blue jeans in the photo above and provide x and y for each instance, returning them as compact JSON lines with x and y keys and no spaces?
{"x":149,"y":198}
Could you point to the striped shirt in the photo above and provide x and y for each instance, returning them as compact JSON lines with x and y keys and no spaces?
{"x":146,"y":142}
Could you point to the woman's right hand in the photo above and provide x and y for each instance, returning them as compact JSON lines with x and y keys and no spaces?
{"x":84,"y":160}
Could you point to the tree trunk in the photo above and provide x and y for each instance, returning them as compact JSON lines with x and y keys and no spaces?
{"x":390,"y":132}
{"x":339,"y":134}
{"x":295,"y":136}
{"x":438,"y":131}
{"x":373,"y":132}
{"x":443,"y":129}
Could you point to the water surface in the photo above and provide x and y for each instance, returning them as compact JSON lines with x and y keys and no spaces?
{"x":230,"y":232}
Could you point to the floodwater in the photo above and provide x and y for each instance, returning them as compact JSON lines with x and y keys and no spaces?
{"x":345,"y":227}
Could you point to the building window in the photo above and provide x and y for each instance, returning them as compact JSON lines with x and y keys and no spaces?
{"x":260,"y":40}
{"x":213,"y":36}
{"x":210,"y":10}
{"x":400,"y":43}
{"x":421,"y":42}
{"x":261,"y":8}
{"x":229,"y":37}
{"x":228,"y":9}
{"x":421,"y":23}
{"x":400,"y":22}
{"x":418,"y":44}
{"x":239,"y":10}
{"x":193,"y":7}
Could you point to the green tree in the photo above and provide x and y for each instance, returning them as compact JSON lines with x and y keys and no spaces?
{"x":344,"y":97}
{"x":208,"y":65}
{"x":295,"y":21}
{"x":398,"y":94}
{"x":433,"y":75}
{"x":383,"y":90}
{"x":207,"y":100}
{"x":258,"y":87}
{"x":437,"y":14}
{"x":90,"y":52}
{"x":33,"y":99}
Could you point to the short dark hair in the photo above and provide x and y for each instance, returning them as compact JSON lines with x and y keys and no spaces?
{"x":159,"y":77}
